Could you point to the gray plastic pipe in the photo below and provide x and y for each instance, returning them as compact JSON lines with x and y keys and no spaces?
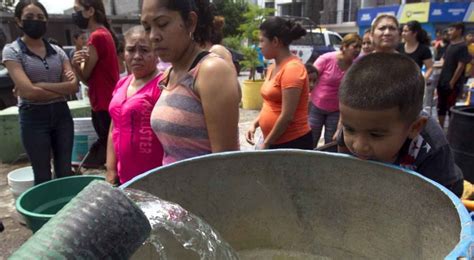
{"x":99,"y":223}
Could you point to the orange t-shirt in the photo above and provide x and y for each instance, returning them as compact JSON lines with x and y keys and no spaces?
{"x":292,"y":74}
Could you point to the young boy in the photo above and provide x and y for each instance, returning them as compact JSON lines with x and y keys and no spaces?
{"x":380,"y":101}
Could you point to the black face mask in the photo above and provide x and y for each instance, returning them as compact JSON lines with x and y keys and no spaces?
{"x":79,"y":20}
{"x":34,"y":28}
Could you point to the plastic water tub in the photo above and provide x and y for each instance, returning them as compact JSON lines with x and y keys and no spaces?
{"x":84,"y":137}
{"x":20,"y":180}
{"x":40,"y":203}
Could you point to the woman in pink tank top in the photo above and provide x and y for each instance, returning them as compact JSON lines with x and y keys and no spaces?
{"x":198,"y":111}
{"x":132,"y":147}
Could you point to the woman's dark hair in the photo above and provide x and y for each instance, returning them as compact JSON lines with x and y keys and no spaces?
{"x":421,"y":35}
{"x":217,"y":34}
{"x":285,"y":30}
{"x":99,"y":15}
{"x":205,"y":12}
{"x":24,"y":3}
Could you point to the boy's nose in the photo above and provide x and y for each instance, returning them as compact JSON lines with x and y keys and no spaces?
{"x":361,"y":146}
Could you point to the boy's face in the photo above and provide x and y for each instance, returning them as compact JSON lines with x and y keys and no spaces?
{"x":313,"y":78}
{"x":376,"y":135}
{"x":454,"y":33}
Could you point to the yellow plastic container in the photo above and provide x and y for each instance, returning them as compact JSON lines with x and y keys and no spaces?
{"x":251,"y":97}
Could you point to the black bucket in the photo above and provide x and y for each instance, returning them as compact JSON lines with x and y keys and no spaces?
{"x":461,"y":139}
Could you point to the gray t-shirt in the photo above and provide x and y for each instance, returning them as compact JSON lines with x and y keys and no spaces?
{"x":38,"y":69}
{"x":428,"y":154}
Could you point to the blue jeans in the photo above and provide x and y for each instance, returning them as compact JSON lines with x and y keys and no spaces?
{"x":47,"y":130}
{"x":319,"y":118}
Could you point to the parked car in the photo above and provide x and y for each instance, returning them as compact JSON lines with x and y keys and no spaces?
{"x":317,"y":40}
{"x":7,"y":99}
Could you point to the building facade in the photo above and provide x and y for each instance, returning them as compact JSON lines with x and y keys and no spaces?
{"x":342,"y":15}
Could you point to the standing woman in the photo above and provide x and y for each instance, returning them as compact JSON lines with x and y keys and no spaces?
{"x":97,"y":67}
{"x":198,"y":110}
{"x":324,"y":110}
{"x":416,"y":46}
{"x":43,"y":77}
{"x":385,"y":33}
{"x":284,"y":115}
{"x":132,"y":147}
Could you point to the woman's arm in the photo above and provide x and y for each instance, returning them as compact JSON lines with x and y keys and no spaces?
{"x":429,"y":68}
{"x":290,"y":100}
{"x":89,"y":59}
{"x":217,"y":87}
{"x":111,"y":162}
{"x":249,"y":136}
{"x":69,"y":85}
{"x":23,"y":86}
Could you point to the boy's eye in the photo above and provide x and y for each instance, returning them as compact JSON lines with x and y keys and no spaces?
{"x":348,"y":130}
{"x":376,"y":135}
{"x":162,"y":25}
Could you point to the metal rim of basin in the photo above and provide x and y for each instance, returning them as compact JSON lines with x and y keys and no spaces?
{"x":467,"y":228}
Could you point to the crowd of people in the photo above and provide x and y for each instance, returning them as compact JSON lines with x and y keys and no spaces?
{"x":369,"y":96}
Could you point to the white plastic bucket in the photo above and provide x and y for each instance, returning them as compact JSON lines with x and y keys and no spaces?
{"x":20,"y":180}
{"x":84,"y":137}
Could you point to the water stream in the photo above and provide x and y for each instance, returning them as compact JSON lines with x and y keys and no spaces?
{"x":192,"y":232}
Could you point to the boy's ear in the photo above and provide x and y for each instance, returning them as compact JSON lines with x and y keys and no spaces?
{"x":417,"y":126}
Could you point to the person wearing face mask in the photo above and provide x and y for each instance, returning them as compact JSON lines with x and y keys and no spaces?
{"x":96,"y":66}
{"x":43,"y":76}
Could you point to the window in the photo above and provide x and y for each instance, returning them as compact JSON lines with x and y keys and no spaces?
{"x":311,"y":39}
{"x":335,"y":40}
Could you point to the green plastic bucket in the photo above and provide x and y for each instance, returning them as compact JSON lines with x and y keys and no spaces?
{"x":41,"y":202}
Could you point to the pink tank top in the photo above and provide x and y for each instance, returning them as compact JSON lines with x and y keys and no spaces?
{"x":136,"y":147}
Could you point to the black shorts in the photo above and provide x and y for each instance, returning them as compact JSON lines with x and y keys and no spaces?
{"x":304,"y":142}
{"x":447,"y":98}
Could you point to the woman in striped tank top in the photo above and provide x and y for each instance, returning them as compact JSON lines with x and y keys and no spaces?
{"x":198,"y":110}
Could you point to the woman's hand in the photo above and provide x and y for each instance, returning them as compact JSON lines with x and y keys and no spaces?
{"x":80,"y":57}
{"x":250,"y":135}
{"x":71,"y":77}
{"x":111,"y":177}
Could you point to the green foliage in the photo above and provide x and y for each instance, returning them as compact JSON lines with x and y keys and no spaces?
{"x":251,"y":58}
{"x":233,"y":12}
{"x":233,"y":42}
{"x":7,"y":5}
{"x":253,"y":18}
{"x":250,"y":31}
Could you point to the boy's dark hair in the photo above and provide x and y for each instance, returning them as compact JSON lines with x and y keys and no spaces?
{"x":310,"y":68}
{"x":77,"y":34}
{"x":383,"y":81}
{"x":284,"y":30}
{"x":458,"y":26}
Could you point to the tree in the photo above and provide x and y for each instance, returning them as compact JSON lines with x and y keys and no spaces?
{"x":250,"y":30}
{"x":7,"y":5}
{"x":233,"y":12}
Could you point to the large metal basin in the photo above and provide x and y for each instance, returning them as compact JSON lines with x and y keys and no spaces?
{"x":317,"y":203}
